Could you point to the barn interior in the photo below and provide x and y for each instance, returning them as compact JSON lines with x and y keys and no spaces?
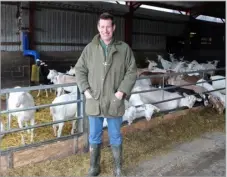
{"x":58,"y":32}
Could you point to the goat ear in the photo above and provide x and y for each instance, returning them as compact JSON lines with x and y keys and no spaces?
{"x":185,"y":94}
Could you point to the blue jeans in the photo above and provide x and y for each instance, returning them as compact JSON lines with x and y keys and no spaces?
{"x":96,"y":129}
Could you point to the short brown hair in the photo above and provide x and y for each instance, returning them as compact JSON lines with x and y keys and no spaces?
{"x":106,"y":16}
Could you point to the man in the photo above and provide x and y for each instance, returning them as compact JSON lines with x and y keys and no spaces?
{"x":105,"y":73}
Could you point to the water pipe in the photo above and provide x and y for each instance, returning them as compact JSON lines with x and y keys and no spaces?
{"x":26,"y":51}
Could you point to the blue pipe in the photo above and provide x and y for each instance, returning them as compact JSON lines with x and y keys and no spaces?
{"x":26,"y":51}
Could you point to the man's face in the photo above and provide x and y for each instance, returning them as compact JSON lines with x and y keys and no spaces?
{"x":106,"y":29}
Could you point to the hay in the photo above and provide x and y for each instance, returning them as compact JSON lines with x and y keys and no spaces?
{"x":41,"y":116}
{"x":3,"y":97}
{"x":137,"y":146}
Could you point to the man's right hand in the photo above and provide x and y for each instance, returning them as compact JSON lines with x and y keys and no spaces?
{"x":87,"y":94}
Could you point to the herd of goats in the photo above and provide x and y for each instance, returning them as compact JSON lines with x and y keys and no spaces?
{"x":138,"y":104}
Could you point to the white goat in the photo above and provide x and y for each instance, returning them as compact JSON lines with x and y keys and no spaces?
{"x":133,"y":112}
{"x":146,"y":110}
{"x":209,"y":65}
{"x":22,"y":100}
{"x":63,"y":112}
{"x":136,"y":109}
{"x":209,"y":87}
{"x":181,"y":58}
{"x":128,"y":115}
{"x":2,"y":129}
{"x":179,"y":67}
{"x":52,"y":76}
{"x":165,"y":64}
{"x":155,"y":96}
{"x":172,"y":58}
{"x":215,"y":63}
{"x":219,"y":83}
{"x":71,"y":71}
{"x":60,"y":78}
{"x":151,"y":65}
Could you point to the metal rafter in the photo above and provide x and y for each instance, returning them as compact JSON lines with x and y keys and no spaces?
{"x":133,"y":6}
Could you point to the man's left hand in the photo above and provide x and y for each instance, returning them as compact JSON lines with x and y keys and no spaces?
{"x":119,"y":95}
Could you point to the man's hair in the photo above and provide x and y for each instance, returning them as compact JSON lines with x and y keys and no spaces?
{"x":106,"y":16}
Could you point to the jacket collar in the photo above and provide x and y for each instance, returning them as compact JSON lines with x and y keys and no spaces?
{"x":96,"y":40}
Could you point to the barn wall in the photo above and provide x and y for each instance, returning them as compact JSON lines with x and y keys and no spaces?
{"x":61,"y":42}
{"x":15,"y":69}
{"x":10,"y":39}
{"x":54,"y":32}
{"x":60,"y":30}
{"x":215,"y":50}
{"x":151,"y":35}
{"x":61,"y":61}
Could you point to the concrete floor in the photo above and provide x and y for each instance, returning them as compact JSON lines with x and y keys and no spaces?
{"x":204,"y":156}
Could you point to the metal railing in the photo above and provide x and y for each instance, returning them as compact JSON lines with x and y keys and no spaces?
{"x":81,"y":116}
{"x":178,"y":86}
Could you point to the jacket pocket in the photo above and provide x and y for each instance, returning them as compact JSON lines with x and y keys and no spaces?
{"x":92,"y":107}
{"x":117,"y":107}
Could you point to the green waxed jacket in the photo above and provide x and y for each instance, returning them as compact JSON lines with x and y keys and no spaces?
{"x":105,"y":75}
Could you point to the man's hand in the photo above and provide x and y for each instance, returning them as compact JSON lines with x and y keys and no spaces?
{"x":119,"y":95}
{"x":87,"y":94}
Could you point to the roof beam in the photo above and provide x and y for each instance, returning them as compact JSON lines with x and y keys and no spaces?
{"x":133,"y":6}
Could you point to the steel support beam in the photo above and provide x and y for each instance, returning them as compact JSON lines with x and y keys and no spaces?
{"x":31,"y":25}
{"x":188,"y":12}
{"x":187,"y":41}
{"x":133,"y":6}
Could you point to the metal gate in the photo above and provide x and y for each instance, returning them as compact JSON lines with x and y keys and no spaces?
{"x":82,"y":119}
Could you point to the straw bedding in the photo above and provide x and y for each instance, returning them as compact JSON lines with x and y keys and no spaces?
{"x":137,"y":146}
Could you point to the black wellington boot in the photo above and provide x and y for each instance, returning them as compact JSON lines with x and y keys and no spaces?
{"x":94,"y":169}
{"x":117,"y":155}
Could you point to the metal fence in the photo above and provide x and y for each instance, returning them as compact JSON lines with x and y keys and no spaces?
{"x":81,"y":117}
